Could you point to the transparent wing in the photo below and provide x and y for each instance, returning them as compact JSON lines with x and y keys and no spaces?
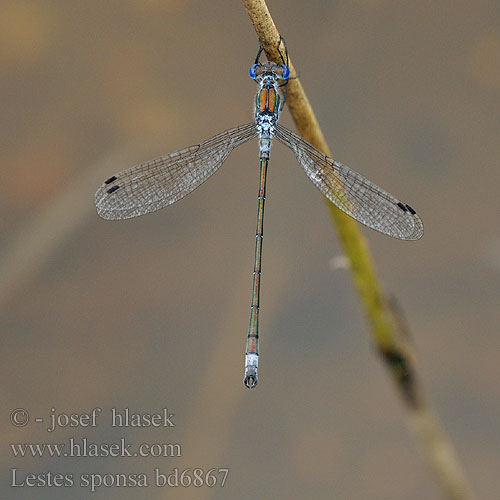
{"x":353,"y":194}
{"x":160,"y":182}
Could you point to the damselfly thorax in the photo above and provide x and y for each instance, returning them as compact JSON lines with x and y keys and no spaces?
{"x":267,"y":101}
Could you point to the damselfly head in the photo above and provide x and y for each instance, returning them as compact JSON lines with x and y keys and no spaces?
{"x":269,"y":69}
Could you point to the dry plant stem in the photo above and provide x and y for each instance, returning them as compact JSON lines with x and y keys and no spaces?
{"x":388,"y":338}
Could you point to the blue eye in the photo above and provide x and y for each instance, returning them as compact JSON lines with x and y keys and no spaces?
{"x":252,"y":71}
{"x":286,"y":71}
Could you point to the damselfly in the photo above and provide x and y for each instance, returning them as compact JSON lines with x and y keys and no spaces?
{"x":160,"y":182}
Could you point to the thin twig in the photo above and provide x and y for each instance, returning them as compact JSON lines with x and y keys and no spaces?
{"x":386,"y":328}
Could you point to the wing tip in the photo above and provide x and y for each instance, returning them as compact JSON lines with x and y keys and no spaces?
{"x":419,"y":227}
{"x":100,"y":202}
{"x":417,"y":230}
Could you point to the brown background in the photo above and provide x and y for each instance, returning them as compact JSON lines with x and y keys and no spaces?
{"x":153,"y":312}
